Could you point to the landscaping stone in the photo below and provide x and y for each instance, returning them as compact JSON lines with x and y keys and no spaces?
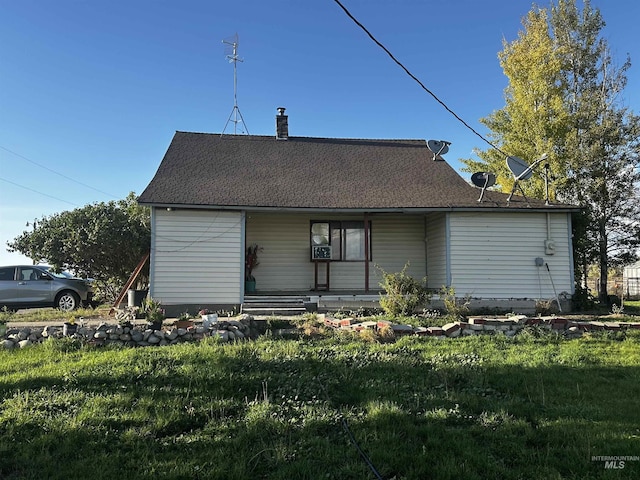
{"x":521,"y":319}
{"x":346,"y":322}
{"x":369,"y":324}
{"x":245,"y":328}
{"x":451,"y":329}
{"x":573,"y":332}
{"x":136,"y":336}
{"x":477,"y":321}
{"x":401,"y":329}
{"x":421,"y":331}
{"x":172,"y":334}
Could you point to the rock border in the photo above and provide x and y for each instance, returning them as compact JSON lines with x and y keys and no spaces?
{"x":229,"y":330}
{"x":244,"y":327}
{"x":508,"y":326}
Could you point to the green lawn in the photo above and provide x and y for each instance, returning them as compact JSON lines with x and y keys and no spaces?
{"x":419,"y":408}
{"x":632,"y":307}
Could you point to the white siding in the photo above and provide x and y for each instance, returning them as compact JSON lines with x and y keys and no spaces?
{"x":285,"y":259}
{"x":493,"y":255}
{"x":436,"y":250}
{"x":631,"y":280}
{"x":197,"y":257}
{"x":396,"y":241}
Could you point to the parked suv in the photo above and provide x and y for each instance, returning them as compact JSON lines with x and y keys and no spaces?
{"x":26,"y":286}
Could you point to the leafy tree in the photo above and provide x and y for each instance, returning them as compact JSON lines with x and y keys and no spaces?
{"x":564,"y":99}
{"x":602,"y":147}
{"x":102,"y":240}
{"x":534,"y":113}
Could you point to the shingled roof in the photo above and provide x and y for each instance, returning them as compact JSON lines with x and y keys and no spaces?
{"x":249,"y":171}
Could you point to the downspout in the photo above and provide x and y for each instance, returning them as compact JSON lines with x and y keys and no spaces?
{"x":426,"y":249}
{"x":447,"y":240}
{"x":243,"y":246}
{"x":571,"y":265}
{"x":366,"y":253}
{"x":152,"y":253}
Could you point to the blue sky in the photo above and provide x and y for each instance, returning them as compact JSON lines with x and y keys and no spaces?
{"x":92,"y":91}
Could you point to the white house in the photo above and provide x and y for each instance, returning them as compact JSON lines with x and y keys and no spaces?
{"x":327,"y":212}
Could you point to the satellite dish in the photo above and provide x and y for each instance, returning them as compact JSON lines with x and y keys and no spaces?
{"x":438,"y":147}
{"x":483,"y":180}
{"x":519,"y":168}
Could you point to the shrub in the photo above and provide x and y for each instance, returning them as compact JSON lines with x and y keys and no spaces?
{"x":454,"y":307}
{"x":403,"y":293}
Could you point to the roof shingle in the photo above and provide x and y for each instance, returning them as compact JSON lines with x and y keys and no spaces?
{"x":244,"y":171}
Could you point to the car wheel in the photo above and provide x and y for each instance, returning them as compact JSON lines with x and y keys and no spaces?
{"x":67,"y":301}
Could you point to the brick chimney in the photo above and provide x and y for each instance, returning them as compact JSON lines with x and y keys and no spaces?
{"x":282,"y":125}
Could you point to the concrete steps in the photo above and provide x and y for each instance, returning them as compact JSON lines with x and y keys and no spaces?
{"x":276,"y":305}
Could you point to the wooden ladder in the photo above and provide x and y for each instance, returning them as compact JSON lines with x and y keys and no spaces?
{"x":127,"y":285}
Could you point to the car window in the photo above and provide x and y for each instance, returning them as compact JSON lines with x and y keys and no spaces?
{"x":6,"y":273}
{"x":61,"y":274}
{"x":28,"y":273}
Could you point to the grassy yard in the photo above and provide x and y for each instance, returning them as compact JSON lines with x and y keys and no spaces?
{"x":632,"y":307}
{"x":419,"y":408}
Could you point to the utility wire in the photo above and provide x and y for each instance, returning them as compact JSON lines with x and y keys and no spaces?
{"x":415,"y":78}
{"x":57,"y":173}
{"x":37,"y":191}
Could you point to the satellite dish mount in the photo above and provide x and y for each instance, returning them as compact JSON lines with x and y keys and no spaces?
{"x":483,"y":180}
{"x":521,"y":170}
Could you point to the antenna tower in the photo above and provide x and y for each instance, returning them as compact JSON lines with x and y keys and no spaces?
{"x":232,"y":55}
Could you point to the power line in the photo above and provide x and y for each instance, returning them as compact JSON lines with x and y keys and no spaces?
{"x":416,"y":78}
{"x":57,"y":173}
{"x":37,"y":191}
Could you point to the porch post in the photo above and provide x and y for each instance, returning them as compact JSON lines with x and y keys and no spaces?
{"x":366,"y":253}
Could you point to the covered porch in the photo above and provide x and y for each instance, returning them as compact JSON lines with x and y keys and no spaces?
{"x":332,"y":255}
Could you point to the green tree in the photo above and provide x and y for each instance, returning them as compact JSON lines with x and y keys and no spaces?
{"x":564,"y":99}
{"x":103,"y":240}
{"x":534,"y":113}
{"x":602,"y":146}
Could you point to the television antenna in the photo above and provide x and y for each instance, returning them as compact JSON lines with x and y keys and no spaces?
{"x":483,"y":180}
{"x":521,"y":170}
{"x":438,"y":147}
{"x":231,"y":49}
